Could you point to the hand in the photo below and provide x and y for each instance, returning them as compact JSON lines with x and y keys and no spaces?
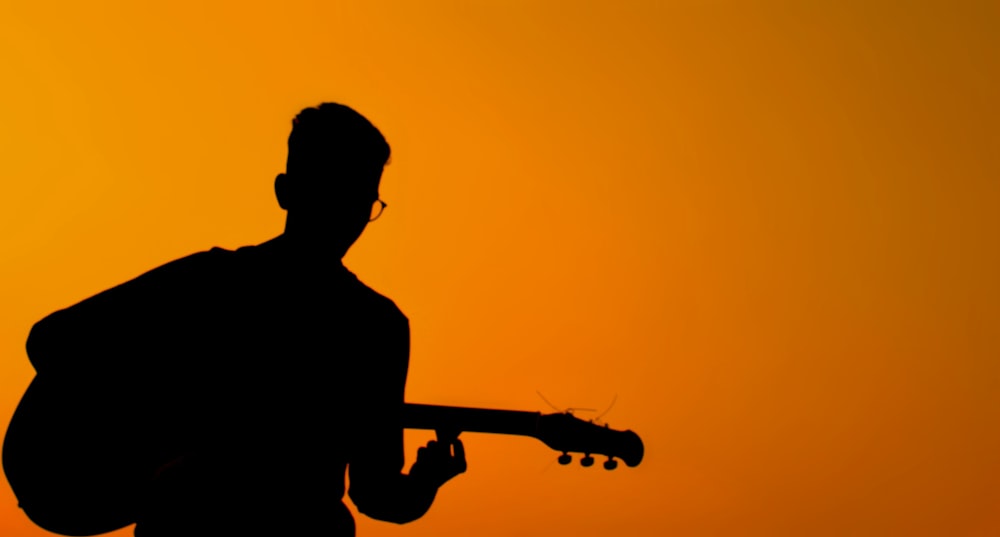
{"x":440,"y":460}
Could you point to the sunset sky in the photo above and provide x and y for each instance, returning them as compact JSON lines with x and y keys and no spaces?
{"x":769,"y":232}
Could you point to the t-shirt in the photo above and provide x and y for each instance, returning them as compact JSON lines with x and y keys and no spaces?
{"x":249,"y":380}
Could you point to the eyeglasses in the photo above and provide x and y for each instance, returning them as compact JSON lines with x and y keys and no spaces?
{"x":377,"y":207}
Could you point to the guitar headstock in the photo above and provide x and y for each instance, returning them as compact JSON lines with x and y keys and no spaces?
{"x":567,"y":433}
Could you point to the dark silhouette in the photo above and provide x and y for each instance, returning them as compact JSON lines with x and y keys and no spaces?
{"x":228,"y":392}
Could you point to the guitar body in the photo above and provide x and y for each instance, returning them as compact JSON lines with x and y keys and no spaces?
{"x":76,"y":458}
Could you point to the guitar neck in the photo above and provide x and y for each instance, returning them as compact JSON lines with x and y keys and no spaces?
{"x":474,"y":420}
{"x":562,"y":432}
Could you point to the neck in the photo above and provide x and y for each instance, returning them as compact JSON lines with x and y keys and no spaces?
{"x":298,"y":249}
{"x":313,"y":237}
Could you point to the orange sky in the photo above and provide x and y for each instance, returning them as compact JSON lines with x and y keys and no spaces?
{"x":770,"y":231}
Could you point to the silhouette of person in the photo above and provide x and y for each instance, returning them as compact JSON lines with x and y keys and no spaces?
{"x":233,"y":390}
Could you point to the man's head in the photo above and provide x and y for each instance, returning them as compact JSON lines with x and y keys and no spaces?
{"x":335,"y":161}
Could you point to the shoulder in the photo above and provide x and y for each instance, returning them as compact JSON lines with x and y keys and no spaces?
{"x":193,"y":264}
{"x":170,"y":275}
{"x":381,"y":305}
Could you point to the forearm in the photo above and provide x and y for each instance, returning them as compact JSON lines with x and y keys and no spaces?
{"x":95,"y":334}
{"x":109,"y":329}
{"x":90,"y":339}
{"x":64,"y":341}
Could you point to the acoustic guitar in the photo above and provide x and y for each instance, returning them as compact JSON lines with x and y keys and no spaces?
{"x":70,"y":479}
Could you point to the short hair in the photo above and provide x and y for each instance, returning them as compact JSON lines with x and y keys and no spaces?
{"x":335,"y":137}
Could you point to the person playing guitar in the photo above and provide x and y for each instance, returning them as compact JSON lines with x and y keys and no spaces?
{"x":209,"y":384}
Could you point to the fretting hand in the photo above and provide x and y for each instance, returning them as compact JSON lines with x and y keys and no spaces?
{"x":440,"y":460}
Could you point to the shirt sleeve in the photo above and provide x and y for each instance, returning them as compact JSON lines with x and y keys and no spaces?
{"x":123,"y":327}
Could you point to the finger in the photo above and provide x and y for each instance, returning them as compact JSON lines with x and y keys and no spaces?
{"x":460,"y":465}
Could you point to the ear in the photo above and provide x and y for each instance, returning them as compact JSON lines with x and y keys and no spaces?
{"x":282,"y":190}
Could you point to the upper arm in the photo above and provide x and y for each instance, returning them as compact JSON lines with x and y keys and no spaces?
{"x":111,"y":328}
{"x":376,"y":454}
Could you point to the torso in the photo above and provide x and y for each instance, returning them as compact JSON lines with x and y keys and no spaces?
{"x":283,"y":364}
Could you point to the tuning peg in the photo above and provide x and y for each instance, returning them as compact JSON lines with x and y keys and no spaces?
{"x":587,"y":461}
{"x":610,"y":464}
{"x":565,"y":459}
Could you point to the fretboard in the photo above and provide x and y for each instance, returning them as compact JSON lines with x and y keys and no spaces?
{"x":473,"y":420}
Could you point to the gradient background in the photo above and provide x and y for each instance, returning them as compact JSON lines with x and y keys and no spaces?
{"x":771,"y":229}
